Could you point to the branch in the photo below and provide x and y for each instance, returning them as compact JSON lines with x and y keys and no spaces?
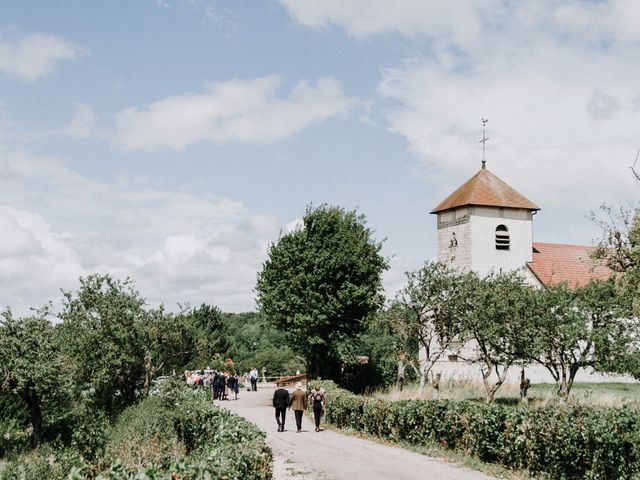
{"x":633,"y":168}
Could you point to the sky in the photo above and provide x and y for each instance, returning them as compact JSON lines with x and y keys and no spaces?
{"x":172,"y":141}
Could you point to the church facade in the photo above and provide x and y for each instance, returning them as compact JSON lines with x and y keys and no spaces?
{"x":486,"y":226}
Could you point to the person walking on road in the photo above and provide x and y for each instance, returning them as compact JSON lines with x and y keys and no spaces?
{"x":280,"y":403}
{"x":317,"y":397}
{"x":298,"y":402}
{"x":253,"y":375}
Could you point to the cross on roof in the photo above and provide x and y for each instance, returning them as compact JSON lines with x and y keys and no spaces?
{"x":483,"y":141}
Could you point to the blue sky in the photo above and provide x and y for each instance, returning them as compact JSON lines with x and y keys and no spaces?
{"x":172,"y":140}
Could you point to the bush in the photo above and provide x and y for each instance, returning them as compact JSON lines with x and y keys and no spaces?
{"x":180,"y":434}
{"x":44,"y":462}
{"x":144,"y":434}
{"x":13,"y":437}
{"x":90,"y":429}
{"x":563,"y":442}
{"x":229,"y":445}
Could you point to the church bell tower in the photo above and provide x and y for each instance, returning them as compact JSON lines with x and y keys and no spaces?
{"x":485,"y":226}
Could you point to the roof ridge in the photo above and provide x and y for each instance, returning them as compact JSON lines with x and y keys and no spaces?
{"x":564,"y":244}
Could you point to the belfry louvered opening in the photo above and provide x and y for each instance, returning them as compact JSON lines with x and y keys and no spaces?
{"x":503,"y":241}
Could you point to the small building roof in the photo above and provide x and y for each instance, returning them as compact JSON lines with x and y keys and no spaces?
{"x":484,"y":188}
{"x":556,"y":263}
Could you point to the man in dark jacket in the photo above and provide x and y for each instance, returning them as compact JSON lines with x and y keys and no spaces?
{"x":281,"y":402}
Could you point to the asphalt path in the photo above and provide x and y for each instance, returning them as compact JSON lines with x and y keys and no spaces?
{"x":329,"y":455}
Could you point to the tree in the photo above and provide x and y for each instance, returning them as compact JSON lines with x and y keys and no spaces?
{"x":211,"y":336}
{"x":496,"y":310}
{"x":574,"y":329}
{"x":620,"y":248}
{"x":102,"y":326}
{"x":31,"y":366}
{"x":426,"y":310}
{"x":320,"y":282}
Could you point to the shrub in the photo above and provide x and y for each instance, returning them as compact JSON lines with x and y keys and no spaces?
{"x":563,"y":442}
{"x":45,"y":462}
{"x":144,"y":434}
{"x":180,"y":434}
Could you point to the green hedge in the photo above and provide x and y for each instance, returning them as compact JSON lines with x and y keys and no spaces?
{"x":182,"y":436}
{"x":559,"y":441}
{"x":178,"y":434}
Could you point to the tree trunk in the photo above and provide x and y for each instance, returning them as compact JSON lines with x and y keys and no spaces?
{"x":35,"y":412}
{"x":525,"y":383}
{"x":147,"y":373}
{"x":566,"y":382}
{"x":492,"y":389}
{"x":563,"y":390}
{"x":423,"y":374}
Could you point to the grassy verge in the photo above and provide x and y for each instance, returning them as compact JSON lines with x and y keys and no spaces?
{"x":541,"y":394}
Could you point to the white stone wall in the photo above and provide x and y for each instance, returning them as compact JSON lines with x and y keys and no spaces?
{"x":463,"y":371}
{"x":455,"y":256}
{"x":485,"y":258}
{"x":475,"y":233}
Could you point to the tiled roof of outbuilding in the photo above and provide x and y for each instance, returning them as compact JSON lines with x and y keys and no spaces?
{"x":556,"y":263}
{"x":484,"y":188}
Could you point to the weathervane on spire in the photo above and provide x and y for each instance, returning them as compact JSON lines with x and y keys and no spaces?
{"x":484,"y":141}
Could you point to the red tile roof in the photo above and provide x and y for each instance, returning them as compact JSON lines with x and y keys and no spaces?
{"x":556,"y":263}
{"x":484,"y":188}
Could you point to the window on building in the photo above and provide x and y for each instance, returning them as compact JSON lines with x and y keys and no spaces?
{"x":503,"y":241}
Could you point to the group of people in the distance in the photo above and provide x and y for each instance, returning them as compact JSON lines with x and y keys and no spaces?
{"x":297,"y":401}
{"x":223,"y":384}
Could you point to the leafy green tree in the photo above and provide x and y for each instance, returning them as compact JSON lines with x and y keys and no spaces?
{"x":619,"y":247}
{"x":31,"y":367}
{"x":170,"y":343}
{"x":211,"y":335}
{"x":102,"y":331}
{"x":320,"y":282}
{"x":573,"y":329}
{"x":496,"y":310}
{"x":427,"y":310}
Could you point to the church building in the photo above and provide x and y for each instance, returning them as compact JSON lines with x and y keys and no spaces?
{"x":486,"y":226}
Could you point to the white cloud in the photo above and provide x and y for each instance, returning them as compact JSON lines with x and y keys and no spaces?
{"x":179,"y":247}
{"x":35,"y":56}
{"x":563,"y":130}
{"x":558,"y":82}
{"x":457,"y":20}
{"x":234,"y":110}
{"x":83,"y":123}
{"x":611,"y":21}
{"x":469,"y":23}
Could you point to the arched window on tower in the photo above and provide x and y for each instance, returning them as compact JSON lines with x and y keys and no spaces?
{"x":503,"y":241}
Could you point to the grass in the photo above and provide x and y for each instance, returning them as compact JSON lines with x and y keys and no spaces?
{"x":597,"y":394}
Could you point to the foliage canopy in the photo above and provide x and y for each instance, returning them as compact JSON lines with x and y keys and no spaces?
{"x":321,"y":282}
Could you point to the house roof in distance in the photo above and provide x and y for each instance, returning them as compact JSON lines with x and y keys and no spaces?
{"x":556,"y":263}
{"x":485,"y":189}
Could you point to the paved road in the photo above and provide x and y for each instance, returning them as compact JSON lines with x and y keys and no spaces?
{"x":329,"y":455}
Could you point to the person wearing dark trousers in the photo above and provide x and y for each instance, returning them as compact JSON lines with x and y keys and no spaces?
{"x":317,"y":397}
{"x":280,"y":403}
{"x":298,"y":402}
{"x":253,"y":376}
{"x":216,"y":385}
